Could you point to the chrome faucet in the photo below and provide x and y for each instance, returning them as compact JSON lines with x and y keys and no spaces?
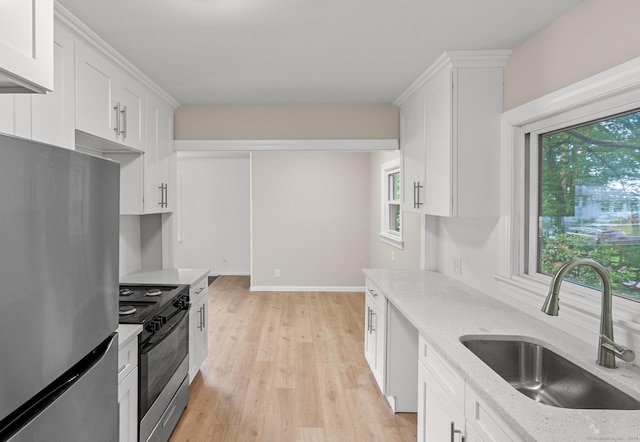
{"x":607,"y":348}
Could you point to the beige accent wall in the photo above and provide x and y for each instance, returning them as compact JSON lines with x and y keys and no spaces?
{"x":309,"y":218}
{"x":383,"y":255}
{"x":286,"y":122}
{"x":590,"y":38}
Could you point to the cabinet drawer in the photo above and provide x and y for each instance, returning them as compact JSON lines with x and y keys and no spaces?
{"x":127,"y":359}
{"x":378,"y":297}
{"x":450,"y":381}
{"x":198,"y":289}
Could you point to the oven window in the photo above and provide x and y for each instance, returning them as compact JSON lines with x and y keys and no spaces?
{"x":159,"y":361}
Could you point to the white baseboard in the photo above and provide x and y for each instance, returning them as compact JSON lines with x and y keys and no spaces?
{"x":255,"y":288}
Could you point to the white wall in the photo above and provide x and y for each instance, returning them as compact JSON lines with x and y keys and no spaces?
{"x":213,"y":212}
{"x":129,"y":244}
{"x":310,"y":219}
{"x":592,"y":37}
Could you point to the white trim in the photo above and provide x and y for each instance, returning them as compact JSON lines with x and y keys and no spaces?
{"x":580,"y":312}
{"x":286,"y":145}
{"x":388,"y":239}
{"x":456,"y":59}
{"x":265,"y":288}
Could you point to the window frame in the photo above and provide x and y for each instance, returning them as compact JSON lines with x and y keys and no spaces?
{"x":388,"y":235}
{"x":611,"y":92}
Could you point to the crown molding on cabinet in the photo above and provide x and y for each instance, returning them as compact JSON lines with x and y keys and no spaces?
{"x":286,"y":145}
{"x":66,"y":17}
{"x":456,"y":59}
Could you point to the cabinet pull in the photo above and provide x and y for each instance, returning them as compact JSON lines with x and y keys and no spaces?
{"x":373,"y":292}
{"x":455,"y":433}
{"x":369,"y":319}
{"x":123,"y":112}
{"x":116,"y":108}
{"x":416,"y":195}
{"x":163,"y":195}
{"x":202,"y":320}
{"x":373,"y":315}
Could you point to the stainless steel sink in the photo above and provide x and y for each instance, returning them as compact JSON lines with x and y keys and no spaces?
{"x":547,"y":377}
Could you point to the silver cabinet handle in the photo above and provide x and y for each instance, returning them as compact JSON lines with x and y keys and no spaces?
{"x":202,"y":320}
{"x":373,"y":292}
{"x":116,"y":108}
{"x":166,"y":195}
{"x":455,"y":432}
{"x":374,"y":317}
{"x":123,"y":112}
{"x":164,"y":192}
{"x":416,"y":194}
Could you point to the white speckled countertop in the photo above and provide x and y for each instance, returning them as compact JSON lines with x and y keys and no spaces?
{"x":127,"y":332}
{"x":443,"y":310}
{"x":164,"y":276}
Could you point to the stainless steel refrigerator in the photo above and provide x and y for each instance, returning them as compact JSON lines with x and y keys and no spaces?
{"x":59,"y":223}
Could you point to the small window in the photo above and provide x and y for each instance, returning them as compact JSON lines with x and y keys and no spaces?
{"x":589,"y":189}
{"x":391,"y":215}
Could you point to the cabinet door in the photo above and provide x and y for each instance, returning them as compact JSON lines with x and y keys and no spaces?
{"x":158,"y":193}
{"x":132,"y":97}
{"x":438,"y":132}
{"x":128,"y":403}
{"x":96,"y":80}
{"x":412,"y":146}
{"x":26,"y":46}
{"x":370,"y":344}
{"x":198,"y":335}
{"x":52,"y":115}
{"x":438,"y":417}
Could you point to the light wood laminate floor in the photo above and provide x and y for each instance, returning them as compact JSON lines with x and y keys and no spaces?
{"x":287,"y":366}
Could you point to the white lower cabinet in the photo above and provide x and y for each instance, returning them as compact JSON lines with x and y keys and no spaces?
{"x":128,"y":390}
{"x":389,"y":346}
{"x":374,"y":337}
{"x":198,"y":326}
{"x":449,"y":409}
{"x":438,"y":417}
{"x":483,"y":423}
{"x":128,"y":403}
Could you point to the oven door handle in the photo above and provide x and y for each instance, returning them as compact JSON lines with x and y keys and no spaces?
{"x":152,"y":343}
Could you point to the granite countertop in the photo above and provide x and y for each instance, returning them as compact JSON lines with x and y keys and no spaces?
{"x":127,"y":332}
{"x":164,"y":276}
{"x":443,"y":310}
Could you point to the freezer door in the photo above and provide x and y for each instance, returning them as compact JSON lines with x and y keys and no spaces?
{"x":81,"y":406}
{"x":59,"y":224}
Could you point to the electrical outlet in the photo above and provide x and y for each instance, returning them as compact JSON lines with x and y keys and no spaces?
{"x":276,"y":273}
{"x":457,"y":265}
{"x":393,"y":255}
{"x":225,"y":261}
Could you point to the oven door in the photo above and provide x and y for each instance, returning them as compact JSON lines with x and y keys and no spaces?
{"x":160,"y":357}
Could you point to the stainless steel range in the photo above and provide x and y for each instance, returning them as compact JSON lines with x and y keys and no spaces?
{"x":163,"y":385}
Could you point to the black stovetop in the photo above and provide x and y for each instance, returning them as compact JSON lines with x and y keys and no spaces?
{"x":146,"y":300}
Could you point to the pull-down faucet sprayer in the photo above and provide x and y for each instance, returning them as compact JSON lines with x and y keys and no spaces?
{"x":607,"y":348}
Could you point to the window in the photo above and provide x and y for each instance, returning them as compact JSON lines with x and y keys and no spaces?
{"x":391,"y":215}
{"x":601,"y":98}
{"x":589,"y":188}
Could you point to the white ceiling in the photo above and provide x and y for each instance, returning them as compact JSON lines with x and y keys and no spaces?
{"x":303,"y":51}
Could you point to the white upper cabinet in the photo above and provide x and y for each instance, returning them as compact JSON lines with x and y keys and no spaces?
{"x":159,"y":194}
{"x":110,"y":104}
{"x":26,"y":46}
{"x":450,"y":135}
{"x":53,"y":114}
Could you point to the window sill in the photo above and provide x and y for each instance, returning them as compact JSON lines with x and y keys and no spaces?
{"x":392,"y":241}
